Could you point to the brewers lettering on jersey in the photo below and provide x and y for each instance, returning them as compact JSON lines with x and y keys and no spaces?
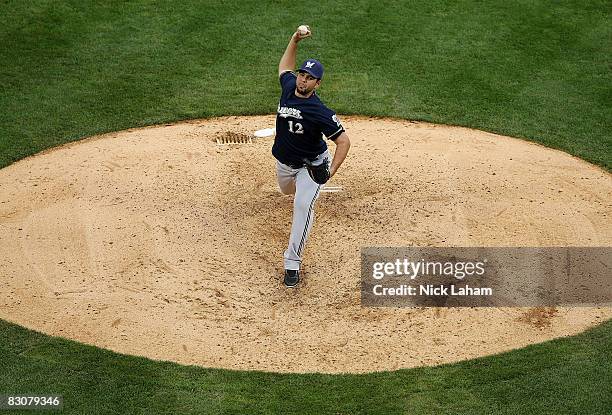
{"x":303,"y":123}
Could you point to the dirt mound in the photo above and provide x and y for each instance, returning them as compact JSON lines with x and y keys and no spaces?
{"x":163,"y":243}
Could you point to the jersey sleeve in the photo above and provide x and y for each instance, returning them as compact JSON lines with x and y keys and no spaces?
{"x":331,"y":127}
{"x":287,"y":80}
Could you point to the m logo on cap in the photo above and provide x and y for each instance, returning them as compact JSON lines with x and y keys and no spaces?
{"x":313,"y":67}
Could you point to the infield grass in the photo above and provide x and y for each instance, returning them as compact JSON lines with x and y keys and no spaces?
{"x":534,"y":69}
{"x":565,"y":376}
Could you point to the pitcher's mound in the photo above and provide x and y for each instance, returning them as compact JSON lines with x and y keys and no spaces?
{"x":163,"y":243}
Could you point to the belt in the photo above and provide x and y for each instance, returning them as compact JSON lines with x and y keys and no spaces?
{"x":296,"y":166}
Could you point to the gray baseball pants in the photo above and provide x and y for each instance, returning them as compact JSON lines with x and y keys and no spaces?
{"x":299,"y":182}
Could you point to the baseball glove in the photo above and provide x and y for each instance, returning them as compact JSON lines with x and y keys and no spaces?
{"x":319,"y":173}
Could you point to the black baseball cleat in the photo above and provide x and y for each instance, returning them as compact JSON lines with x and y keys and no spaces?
{"x":292,"y":277}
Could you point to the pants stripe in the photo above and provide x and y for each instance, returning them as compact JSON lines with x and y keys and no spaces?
{"x":301,"y":246}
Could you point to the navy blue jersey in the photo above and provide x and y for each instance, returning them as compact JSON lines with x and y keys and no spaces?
{"x":301,"y":124}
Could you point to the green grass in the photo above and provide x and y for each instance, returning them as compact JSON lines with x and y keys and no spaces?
{"x":534,"y":69}
{"x":565,"y":376}
{"x":540,"y":70}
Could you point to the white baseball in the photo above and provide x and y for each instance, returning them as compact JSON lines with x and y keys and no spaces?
{"x":303,"y":30}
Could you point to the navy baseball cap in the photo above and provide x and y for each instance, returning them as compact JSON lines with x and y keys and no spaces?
{"x":313,"y":67}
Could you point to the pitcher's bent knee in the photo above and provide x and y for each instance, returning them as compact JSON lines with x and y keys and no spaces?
{"x":287,"y":189}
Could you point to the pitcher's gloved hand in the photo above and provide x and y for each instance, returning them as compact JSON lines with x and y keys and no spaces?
{"x":319,"y":173}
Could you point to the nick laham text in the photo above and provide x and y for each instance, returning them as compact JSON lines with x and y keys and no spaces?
{"x":432,"y":290}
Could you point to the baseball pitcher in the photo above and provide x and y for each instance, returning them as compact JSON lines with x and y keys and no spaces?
{"x":302,"y":158}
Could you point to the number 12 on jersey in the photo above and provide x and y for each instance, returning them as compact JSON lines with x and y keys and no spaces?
{"x":298,"y":128}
